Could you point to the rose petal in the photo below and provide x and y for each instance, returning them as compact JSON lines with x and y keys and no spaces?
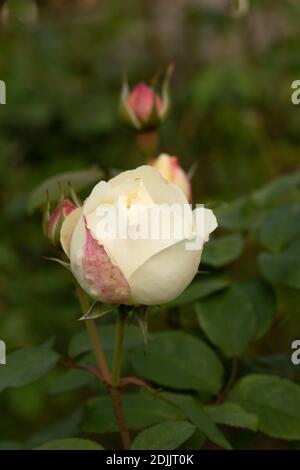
{"x":141,"y":101}
{"x":94,"y":269}
{"x":174,"y":269}
{"x":67,"y":229}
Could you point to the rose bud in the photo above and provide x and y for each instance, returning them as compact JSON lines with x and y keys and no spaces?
{"x":142,"y":108}
{"x":170,"y":169}
{"x":53,"y":222}
{"x":142,"y":100}
{"x":118,"y":269}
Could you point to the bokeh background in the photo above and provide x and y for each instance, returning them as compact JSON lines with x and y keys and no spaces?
{"x":63,"y":63}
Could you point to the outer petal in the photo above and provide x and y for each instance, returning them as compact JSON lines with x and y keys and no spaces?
{"x":141,"y":101}
{"x":205,"y":221}
{"x":164,"y":276}
{"x":67,"y":229}
{"x":94,"y":269}
{"x":211,"y":222}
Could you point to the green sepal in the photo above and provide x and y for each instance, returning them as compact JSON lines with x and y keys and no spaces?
{"x":141,"y":315}
{"x":97,"y":310}
{"x":60,"y":262}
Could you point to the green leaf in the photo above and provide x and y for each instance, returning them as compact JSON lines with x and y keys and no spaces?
{"x":70,"y":444}
{"x":282,"y":268}
{"x":164,"y":436}
{"x":79,"y":179}
{"x":279,"y":364}
{"x":196,"y":441}
{"x":240,"y":314}
{"x":237,"y":215}
{"x":65,"y":428}
{"x":140,"y":410}
{"x":263,"y":300}
{"x":200,"y":289}
{"x":80,"y":343}
{"x":70,"y":380}
{"x":194,"y":411}
{"x":274,"y":400}
{"x":243,"y":213}
{"x":232,"y":415}
{"x":177,"y":360}
{"x":228,"y":320}
{"x":223,"y":250}
{"x":27,"y":365}
{"x":279,"y":227}
{"x":273,"y":192}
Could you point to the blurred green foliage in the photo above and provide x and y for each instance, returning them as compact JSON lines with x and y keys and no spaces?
{"x":232,"y":114}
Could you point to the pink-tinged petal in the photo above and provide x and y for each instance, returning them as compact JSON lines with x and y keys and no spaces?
{"x":105,"y":279}
{"x":64,"y":208}
{"x":54,"y":218}
{"x":68,"y":207}
{"x":180,"y":178}
{"x":57,"y":218}
{"x":142,"y":99}
{"x":170,"y":169}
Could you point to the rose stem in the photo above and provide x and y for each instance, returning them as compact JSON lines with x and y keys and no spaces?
{"x":104,"y":369}
{"x":118,"y":348}
{"x":115,"y":392}
{"x":92,"y":331}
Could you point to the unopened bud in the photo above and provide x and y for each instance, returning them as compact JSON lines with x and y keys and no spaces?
{"x":143,"y":108}
{"x":170,"y":169}
{"x":54,"y":221}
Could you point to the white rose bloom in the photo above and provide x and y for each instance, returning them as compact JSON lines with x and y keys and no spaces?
{"x":132,"y":270}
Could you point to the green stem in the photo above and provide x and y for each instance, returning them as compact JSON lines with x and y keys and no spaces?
{"x":115,"y":382}
{"x":117,"y":404}
{"x":147,"y":143}
{"x":92,"y":331}
{"x":105,"y":372}
{"x":118,"y":348}
{"x":112,"y":386}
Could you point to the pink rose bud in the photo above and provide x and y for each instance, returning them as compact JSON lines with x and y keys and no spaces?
{"x":143,"y":100}
{"x":143,"y":108}
{"x":55,"y":220}
{"x":170,"y":169}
